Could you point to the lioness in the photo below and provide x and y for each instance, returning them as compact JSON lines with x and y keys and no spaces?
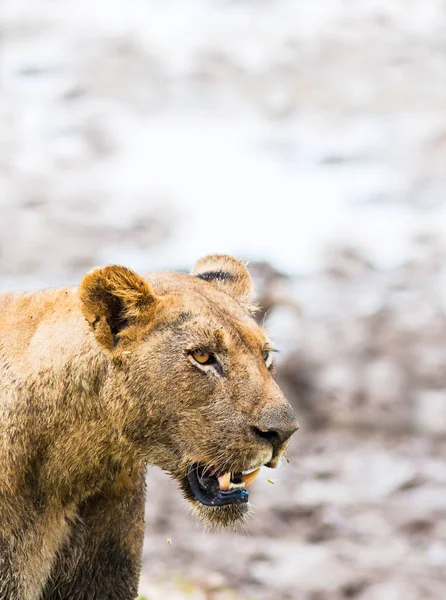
{"x":98,"y":381}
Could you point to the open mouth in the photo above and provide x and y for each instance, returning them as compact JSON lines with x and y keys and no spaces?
{"x":214,"y":489}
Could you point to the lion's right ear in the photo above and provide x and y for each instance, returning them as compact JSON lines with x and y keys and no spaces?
{"x":112,"y":298}
{"x":228,"y":274}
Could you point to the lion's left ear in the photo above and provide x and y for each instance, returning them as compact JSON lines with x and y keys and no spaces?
{"x":228,"y":274}
{"x":112,"y":299}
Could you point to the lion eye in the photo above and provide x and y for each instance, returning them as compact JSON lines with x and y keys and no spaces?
{"x":268,"y":358}
{"x":203,"y":358}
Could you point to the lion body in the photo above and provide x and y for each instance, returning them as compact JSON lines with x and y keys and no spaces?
{"x":94,"y":384}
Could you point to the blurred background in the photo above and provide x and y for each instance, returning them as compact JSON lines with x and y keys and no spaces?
{"x":308,"y":137}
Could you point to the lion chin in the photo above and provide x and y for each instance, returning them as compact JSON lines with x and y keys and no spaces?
{"x":221,"y":517}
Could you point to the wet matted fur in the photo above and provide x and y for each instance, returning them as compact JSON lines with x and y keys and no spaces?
{"x":100,"y":380}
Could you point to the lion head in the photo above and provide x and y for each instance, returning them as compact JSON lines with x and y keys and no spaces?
{"x":190,"y":382}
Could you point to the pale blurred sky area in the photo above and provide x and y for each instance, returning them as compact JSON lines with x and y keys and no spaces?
{"x":269,"y":129}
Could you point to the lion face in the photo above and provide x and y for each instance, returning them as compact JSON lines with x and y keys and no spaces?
{"x":194,"y":376}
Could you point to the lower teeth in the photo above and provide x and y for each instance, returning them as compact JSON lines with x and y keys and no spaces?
{"x":245,"y":479}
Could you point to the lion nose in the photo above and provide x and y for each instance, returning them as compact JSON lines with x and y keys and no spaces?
{"x":276,"y":436}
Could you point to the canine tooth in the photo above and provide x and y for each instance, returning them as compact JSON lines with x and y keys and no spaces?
{"x":224,"y":481}
{"x":248,"y":478}
{"x":249,"y":471}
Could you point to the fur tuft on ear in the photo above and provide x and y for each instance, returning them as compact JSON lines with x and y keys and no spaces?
{"x":228,"y":274}
{"x":111,"y":298}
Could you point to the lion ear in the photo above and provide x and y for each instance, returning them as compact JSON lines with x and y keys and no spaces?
{"x":112,"y":298}
{"x":228,"y":274}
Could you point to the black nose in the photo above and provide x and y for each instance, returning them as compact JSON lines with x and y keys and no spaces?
{"x":276,"y":437}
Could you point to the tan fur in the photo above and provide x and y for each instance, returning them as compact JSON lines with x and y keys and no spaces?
{"x":95,"y":383}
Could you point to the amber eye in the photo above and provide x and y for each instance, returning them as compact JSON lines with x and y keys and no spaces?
{"x":203,"y":358}
{"x":268,"y":358}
